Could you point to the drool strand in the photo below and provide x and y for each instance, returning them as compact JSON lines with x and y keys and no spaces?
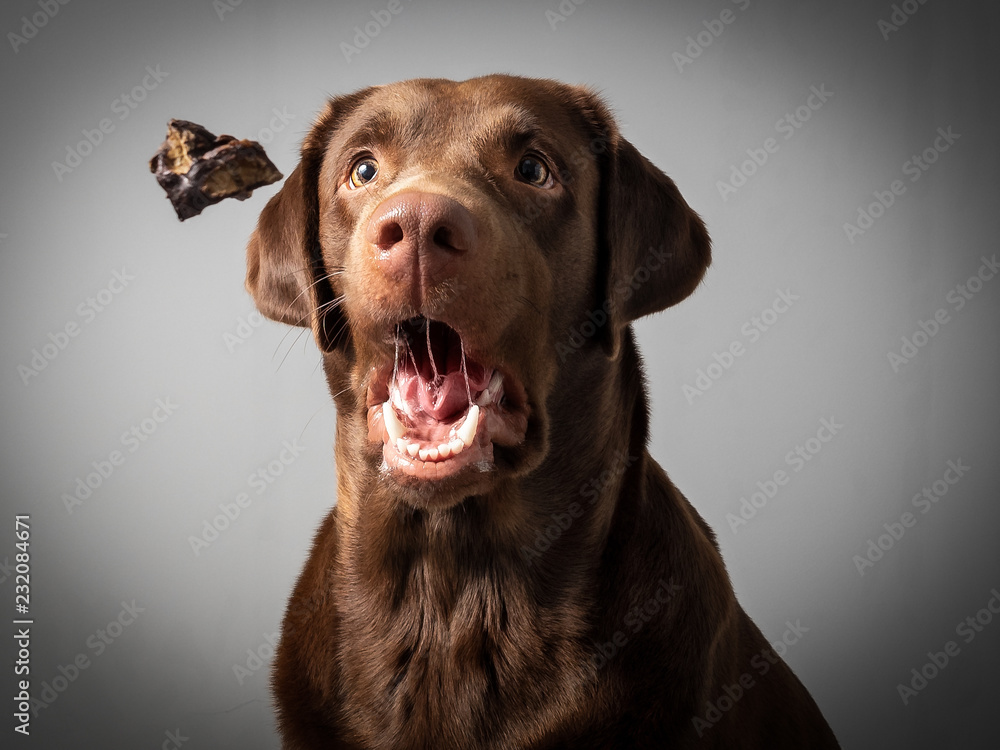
{"x":430,"y":353}
{"x":395,"y":362}
{"x":465,"y":372}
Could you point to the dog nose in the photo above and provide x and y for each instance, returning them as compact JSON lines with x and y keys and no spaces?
{"x":421,"y":237}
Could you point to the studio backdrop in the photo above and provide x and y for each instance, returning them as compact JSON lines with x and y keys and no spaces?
{"x":827,"y":398}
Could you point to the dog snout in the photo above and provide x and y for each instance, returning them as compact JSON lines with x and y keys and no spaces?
{"x":421,"y":237}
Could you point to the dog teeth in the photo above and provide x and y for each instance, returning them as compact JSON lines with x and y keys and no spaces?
{"x":463,"y":436}
{"x":495,"y":382}
{"x":430,"y":453}
{"x":467,"y":432}
{"x":487,"y":396}
{"x":397,"y":399}
{"x":392,"y":424}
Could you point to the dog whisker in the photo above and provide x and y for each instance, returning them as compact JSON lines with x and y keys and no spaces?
{"x":317,"y":412}
{"x":338,"y":271}
{"x":299,"y":336}
{"x":325,"y":307}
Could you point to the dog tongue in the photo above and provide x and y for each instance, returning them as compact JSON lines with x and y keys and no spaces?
{"x":435,"y":379}
{"x":438,"y":399}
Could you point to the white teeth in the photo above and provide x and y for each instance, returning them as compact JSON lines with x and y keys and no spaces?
{"x":432,"y":454}
{"x":397,"y":399}
{"x":487,"y":396}
{"x":392,"y":424}
{"x":467,"y":432}
{"x":428,"y":454}
{"x":463,"y":436}
{"x":439,"y":453}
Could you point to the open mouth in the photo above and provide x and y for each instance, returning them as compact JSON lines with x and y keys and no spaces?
{"x":439,"y":410}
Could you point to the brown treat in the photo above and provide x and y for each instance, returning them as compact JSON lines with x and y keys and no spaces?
{"x":198,"y":168}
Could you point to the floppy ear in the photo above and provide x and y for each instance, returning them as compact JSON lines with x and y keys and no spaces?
{"x":655,"y":248}
{"x":279,"y":271}
{"x":286,"y":274}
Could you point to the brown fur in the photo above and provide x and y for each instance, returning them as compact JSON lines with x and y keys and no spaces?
{"x":438,"y":614}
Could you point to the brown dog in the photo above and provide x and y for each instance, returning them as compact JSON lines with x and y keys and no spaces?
{"x":506,"y":567}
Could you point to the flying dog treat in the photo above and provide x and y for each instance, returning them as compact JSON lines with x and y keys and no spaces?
{"x":198,"y":168}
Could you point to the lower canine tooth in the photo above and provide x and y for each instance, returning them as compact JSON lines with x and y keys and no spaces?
{"x":467,"y":432}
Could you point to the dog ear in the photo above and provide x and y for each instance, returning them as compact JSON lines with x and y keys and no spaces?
{"x":286,"y":275}
{"x":659,"y":247}
{"x":279,"y":275}
{"x":653,"y":248}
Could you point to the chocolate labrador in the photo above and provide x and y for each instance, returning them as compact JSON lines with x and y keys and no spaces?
{"x":506,"y":566}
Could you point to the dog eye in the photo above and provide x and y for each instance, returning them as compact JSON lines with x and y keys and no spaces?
{"x":364,"y":171}
{"x":532,"y":170}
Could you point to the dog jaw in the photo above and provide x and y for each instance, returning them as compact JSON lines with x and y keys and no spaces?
{"x":438,"y":412}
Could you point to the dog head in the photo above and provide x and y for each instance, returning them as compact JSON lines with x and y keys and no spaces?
{"x":441,"y":239}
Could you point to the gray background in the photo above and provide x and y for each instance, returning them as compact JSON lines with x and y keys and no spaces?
{"x":164,"y":336}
